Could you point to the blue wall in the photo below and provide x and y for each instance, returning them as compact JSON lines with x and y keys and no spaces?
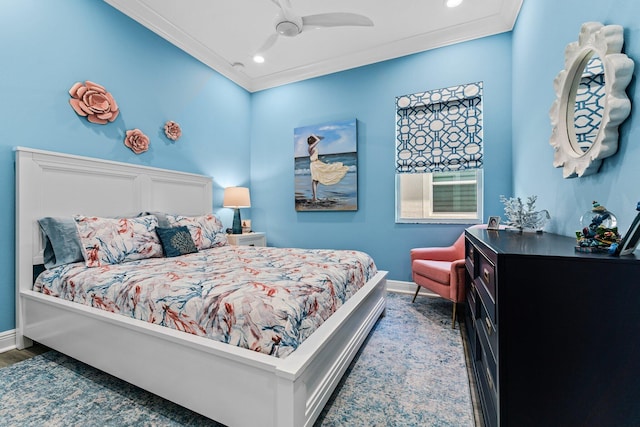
{"x":368,"y":94}
{"x":543,"y":30}
{"x":48,"y":46}
{"x":247,"y":139}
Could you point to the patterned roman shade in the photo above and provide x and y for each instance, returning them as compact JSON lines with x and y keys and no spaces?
{"x":439,"y":130}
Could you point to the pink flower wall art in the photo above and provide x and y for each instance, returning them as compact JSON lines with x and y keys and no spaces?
{"x":93,"y":102}
{"x":137,"y":141}
{"x":172,"y":130}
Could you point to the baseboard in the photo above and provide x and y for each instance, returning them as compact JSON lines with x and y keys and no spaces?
{"x":7,"y":340}
{"x":402,"y":287}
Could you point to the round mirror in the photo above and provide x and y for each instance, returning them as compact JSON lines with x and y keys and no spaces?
{"x":590,"y":100}
{"x":588,"y":104}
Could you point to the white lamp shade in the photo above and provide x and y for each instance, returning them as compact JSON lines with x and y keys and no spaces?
{"x":236,"y":197}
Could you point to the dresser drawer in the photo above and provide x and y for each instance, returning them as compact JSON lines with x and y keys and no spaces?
{"x":472,"y":301}
{"x":470,"y":257}
{"x":488,"y":328}
{"x":485,"y":374}
{"x":470,"y":324}
{"x":485,"y":282}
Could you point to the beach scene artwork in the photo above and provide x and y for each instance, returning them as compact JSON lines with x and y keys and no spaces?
{"x":326,"y":167}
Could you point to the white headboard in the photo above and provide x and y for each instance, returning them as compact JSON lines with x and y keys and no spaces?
{"x":55,"y":184}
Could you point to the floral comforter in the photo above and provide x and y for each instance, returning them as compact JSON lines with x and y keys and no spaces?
{"x":260,"y":298}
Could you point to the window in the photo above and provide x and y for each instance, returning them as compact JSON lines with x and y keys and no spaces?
{"x":439,"y":155}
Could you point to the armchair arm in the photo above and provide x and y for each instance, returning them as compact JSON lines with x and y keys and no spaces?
{"x":458,"y":280}
{"x":448,"y":253}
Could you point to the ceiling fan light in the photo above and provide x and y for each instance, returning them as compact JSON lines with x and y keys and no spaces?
{"x":453,"y":3}
{"x":287,"y":28}
{"x":259,"y":59}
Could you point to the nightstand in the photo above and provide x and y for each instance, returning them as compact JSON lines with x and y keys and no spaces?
{"x":257,"y":238}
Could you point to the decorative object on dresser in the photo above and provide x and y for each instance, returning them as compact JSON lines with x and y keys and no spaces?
{"x":523,"y":216}
{"x":236,"y":198}
{"x":590,"y":100}
{"x":255,"y":238}
{"x":599,"y":231}
{"x":551,"y":331}
{"x":630,"y":240}
{"x":493,"y":223}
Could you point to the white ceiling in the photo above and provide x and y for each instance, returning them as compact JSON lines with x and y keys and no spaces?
{"x":222,"y":33}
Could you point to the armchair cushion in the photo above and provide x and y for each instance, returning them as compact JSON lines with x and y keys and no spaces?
{"x":438,"y":271}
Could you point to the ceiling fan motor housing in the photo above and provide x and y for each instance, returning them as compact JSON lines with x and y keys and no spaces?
{"x":288,"y":28}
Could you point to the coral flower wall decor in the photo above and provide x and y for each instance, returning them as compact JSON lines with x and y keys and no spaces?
{"x":172,"y":130}
{"x":137,"y":141}
{"x":93,"y":102}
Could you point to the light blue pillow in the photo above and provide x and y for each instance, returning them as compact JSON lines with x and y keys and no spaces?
{"x":62,"y":242}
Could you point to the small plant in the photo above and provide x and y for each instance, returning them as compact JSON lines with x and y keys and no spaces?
{"x":523,"y":215}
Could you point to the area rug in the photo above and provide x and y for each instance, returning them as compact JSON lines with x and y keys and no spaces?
{"x":411,"y":372}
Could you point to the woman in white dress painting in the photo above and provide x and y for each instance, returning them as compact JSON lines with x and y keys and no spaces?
{"x":323,"y":173}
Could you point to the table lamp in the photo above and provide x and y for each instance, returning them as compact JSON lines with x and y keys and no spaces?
{"x":236,"y":198}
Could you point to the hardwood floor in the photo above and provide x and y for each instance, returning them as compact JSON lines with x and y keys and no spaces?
{"x":14,"y":356}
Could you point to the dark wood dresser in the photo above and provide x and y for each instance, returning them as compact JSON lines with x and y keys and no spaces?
{"x":554,"y":334}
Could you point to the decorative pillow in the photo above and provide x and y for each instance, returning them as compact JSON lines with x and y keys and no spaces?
{"x":61,"y":241}
{"x":176,"y":241}
{"x":114,"y":240}
{"x":206,"y":230}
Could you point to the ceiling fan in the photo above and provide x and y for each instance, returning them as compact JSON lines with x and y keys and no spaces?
{"x":289,"y":24}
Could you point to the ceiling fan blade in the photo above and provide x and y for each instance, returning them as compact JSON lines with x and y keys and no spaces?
{"x":271,"y":40}
{"x":338,"y":19}
{"x":286,"y":11}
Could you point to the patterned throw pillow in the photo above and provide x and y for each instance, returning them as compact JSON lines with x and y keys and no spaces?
{"x":176,"y":241}
{"x":107,"y":241}
{"x":206,"y":230}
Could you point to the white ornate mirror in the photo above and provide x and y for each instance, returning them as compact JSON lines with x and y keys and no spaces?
{"x":590,"y":100}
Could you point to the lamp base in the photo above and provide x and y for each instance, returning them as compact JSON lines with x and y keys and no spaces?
{"x":237,"y":223}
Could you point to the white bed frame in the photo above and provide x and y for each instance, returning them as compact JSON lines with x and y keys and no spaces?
{"x":234,"y":386}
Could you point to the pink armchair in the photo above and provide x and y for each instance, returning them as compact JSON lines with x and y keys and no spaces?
{"x":441,"y":271}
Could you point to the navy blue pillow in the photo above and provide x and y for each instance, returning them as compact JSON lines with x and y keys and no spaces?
{"x":176,"y":241}
{"x":61,"y":241}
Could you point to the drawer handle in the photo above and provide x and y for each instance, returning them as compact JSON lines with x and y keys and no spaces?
{"x":489,"y":379}
{"x":252,"y":244}
{"x":489,"y":325}
{"x":485,"y":274}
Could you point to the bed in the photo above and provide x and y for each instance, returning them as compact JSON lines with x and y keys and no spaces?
{"x":232,"y":385}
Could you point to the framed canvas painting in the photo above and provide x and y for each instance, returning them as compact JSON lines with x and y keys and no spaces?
{"x":326,"y":167}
